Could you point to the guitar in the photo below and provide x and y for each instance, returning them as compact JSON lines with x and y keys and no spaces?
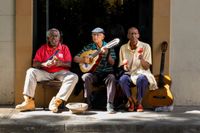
{"x":96,"y":58}
{"x":163,"y":95}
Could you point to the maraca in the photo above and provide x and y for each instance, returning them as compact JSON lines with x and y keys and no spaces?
{"x":140,"y":50}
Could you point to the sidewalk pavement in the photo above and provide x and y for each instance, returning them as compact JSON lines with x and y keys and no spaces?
{"x":183,"y":119}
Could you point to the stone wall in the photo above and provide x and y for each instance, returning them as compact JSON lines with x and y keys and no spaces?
{"x":184,"y":51}
{"x":7,"y":47}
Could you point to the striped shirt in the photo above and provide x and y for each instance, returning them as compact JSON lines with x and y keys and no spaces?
{"x":103,"y":66}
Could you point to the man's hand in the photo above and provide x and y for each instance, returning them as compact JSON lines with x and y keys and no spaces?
{"x":50,"y":63}
{"x":87,"y":59}
{"x":125,"y":64}
{"x":104,"y":50}
{"x":140,"y":56}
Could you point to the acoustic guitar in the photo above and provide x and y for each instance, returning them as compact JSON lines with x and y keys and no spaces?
{"x":96,"y":58}
{"x":163,"y":95}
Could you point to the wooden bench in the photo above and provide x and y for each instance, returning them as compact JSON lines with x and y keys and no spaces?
{"x":54,"y":84}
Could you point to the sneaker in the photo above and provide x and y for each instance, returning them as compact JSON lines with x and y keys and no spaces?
{"x":110,"y":108}
{"x":54,"y":104}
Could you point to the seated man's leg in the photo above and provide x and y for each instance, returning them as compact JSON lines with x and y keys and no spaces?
{"x":126,"y":83}
{"x":33,"y":75}
{"x":142,"y":85}
{"x":88,"y":79}
{"x":110,"y":82}
{"x":69,"y":80}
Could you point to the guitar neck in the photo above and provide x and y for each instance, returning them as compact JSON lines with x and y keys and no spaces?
{"x":161,"y":75}
{"x":162,"y":63}
{"x":110,"y":44}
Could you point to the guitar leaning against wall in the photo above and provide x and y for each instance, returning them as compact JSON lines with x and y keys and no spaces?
{"x":162,"y":96}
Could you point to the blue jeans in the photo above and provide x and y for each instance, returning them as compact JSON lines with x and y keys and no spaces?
{"x":141,"y":85}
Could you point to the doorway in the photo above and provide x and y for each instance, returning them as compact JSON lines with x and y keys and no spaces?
{"x":76,"y":19}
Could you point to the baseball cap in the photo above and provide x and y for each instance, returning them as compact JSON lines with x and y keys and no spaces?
{"x":98,"y":30}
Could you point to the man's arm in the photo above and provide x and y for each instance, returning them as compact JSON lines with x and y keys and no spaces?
{"x":52,"y":62}
{"x":63,"y":64}
{"x":145,"y":58}
{"x":37,"y":64}
{"x":111,"y":56}
{"x":111,"y":60}
{"x":144,"y":64}
{"x":85,"y":59}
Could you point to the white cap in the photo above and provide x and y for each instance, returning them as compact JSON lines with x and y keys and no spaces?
{"x":98,"y":30}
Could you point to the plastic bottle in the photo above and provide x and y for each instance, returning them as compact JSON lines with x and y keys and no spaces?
{"x":164,"y":108}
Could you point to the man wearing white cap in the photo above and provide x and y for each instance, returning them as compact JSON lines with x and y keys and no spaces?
{"x":103,"y":72}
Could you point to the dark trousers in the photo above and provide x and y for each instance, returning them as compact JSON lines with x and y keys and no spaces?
{"x":109,"y":80}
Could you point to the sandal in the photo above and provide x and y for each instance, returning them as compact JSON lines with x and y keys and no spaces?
{"x":140,"y":108}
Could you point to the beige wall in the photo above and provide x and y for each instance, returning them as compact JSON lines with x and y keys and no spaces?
{"x":185,"y":49}
{"x":7,"y":45}
{"x":161,"y":32}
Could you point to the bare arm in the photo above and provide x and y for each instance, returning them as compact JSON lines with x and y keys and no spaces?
{"x":63,"y":64}
{"x":111,"y":60}
{"x":53,"y":62}
{"x":37,"y":64}
{"x":144,"y":63}
{"x":86,"y":59}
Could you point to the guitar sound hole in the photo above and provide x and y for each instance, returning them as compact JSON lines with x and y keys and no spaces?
{"x":159,"y":97}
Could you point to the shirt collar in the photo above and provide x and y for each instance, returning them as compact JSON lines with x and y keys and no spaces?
{"x":128,"y":45}
{"x":103,"y":44}
{"x":50,"y":48}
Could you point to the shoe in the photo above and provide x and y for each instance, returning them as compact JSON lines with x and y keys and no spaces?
{"x":54,"y":104}
{"x":27,"y":105}
{"x":140,"y":108}
{"x":131,"y":108}
{"x":110,"y":108}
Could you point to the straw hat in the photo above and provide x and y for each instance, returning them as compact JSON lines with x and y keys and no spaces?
{"x":77,"y":107}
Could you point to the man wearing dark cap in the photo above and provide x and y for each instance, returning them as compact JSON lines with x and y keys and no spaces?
{"x":98,"y":69}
